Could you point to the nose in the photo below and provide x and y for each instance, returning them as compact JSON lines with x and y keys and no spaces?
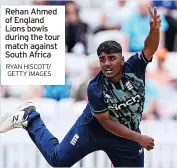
{"x":107,"y":63}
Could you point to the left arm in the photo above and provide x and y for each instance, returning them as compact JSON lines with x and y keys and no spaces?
{"x":152,"y":41}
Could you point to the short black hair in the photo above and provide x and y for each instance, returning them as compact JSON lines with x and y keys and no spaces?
{"x":109,"y":47}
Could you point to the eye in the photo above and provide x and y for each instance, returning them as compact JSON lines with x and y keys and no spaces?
{"x":112,"y":58}
{"x":102,"y":59}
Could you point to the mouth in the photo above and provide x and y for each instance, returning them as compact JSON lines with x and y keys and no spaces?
{"x":108,"y":71}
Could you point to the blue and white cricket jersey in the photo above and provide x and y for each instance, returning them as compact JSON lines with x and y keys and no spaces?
{"x":124,"y":100}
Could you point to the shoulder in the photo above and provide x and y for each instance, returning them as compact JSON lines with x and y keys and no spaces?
{"x":129,"y":64}
{"x":95,"y":95}
{"x":95,"y":85}
{"x":136,"y":64}
{"x":138,"y":57}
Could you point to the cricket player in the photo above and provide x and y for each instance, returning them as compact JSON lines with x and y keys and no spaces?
{"x":110,"y":122}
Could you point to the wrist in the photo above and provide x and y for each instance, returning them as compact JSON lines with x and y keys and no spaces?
{"x":154,"y":30}
{"x":138,"y":138}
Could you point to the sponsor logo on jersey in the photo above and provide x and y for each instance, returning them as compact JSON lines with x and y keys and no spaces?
{"x":74,"y":139}
{"x":129,"y":85}
{"x":131,"y":101}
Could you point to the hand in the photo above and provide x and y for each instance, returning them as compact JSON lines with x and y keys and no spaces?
{"x":155,"y":21}
{"x":146,"y":142}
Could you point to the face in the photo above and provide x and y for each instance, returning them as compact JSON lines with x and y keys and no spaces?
{"x":111,"y":64}
{"x":71,"y":13}
{"x":122,"y":3}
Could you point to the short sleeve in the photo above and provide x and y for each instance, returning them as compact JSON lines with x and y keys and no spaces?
{"x":138,"y":62}
{"x":96,"y":101}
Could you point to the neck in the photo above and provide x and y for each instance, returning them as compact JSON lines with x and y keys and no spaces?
{"x":117,"y":77}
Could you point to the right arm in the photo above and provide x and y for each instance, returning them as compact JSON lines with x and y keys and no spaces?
{"x":100,"y":110}
{"x":122,"y":131}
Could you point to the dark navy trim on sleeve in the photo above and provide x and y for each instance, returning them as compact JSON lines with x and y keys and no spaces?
{"x":144,"y":57}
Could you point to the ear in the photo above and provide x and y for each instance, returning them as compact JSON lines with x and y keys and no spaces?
{"x":122,"y":60}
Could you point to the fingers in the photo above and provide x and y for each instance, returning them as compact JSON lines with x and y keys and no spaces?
{"x":151,"y":145}
{"x":150,"y":148}
{"x":150,"y":12}
{"x":152,"y":142}
{"x":153,"y":15}
{"x":158,"y":19}
{"x":155,"y":11}
{"x":152,"y":139}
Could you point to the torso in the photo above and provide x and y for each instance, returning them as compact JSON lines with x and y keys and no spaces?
{"x":125,"y":99}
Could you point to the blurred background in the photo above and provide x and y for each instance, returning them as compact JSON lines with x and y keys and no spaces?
{"x":88,"y":23}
